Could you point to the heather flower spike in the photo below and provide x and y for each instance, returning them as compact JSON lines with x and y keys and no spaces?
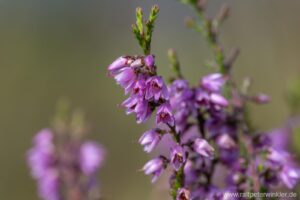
{"x":207,"y":125}
{"x":62,"y":163}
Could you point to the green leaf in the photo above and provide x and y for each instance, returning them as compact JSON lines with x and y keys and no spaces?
{"x":139,"y":20}
{"x":175,"y":66}
{"x":143,"y":32}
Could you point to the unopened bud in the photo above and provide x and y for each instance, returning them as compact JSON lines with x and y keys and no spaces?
{"x":261,"y":99}
{"x":223,"y":13}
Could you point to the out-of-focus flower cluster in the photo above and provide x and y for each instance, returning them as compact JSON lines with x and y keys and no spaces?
{"x":64,"y":167}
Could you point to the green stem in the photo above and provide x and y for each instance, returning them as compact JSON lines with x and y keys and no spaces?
{"x":179,"y":175}
{"x":207,"y":31}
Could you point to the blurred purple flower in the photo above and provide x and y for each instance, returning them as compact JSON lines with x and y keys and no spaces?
{"x":261,"y":99}
{"x":218,"y":100}
{"x":213,"y":82}
{"x":91,"y":157}
{"x":289,"y":175}
{"x":41,"y":156}
{"x":202,"y":147}
{"x":178,"y":86}
{"x":48,"y":186}
{"x":225,"y":141}
{"x":41,"y":160}
{"x":280,"y":138}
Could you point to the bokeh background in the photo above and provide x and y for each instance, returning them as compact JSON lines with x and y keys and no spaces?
{"x":56,"y":48}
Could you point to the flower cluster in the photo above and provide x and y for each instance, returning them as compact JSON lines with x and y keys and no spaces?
{"x":64,"y":172}
{"x":208,"y":123}
{"x":177,"y":107}
{"x":277,"y":165}
{"x":41,"y":159}
{"x":137,"y":75}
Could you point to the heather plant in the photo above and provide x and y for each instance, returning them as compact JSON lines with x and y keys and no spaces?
{"x":62,"y":162}
{"x":209,"y":122}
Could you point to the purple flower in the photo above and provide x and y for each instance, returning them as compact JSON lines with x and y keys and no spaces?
{"x":179,"y":86}
{"x":202,"y":147}
{"x":229,"y":156}
{"x":261,"y":141}
{"x":149,"y":61}
{"x":213,"y":82}
{"x":280,"y":138}
{"x":154,"y":167}
{"x":202,"y":97}
{"x":156,"y":89}
{"x":178,"y":156}
{"x":41,"y":156}
{"x":261,"y":99}
{"x":43,"y":138}
{"x":225,"y":141}
{"x":130,"y":104}
{"x":182,"y":96}
{"x":139,"y":106}
{"x":117,"y":65}
{"x":183,"y":194}
{"x":140,"y":87}
{"x":149,"y":140}
{"x":126,"y":79}
{"x":48,"y":186}
{"x":164,"y":115}
{"x":278,"y":156}
{"x":218,"y":100}
{"x":290,"y":176}
{"x":91,"y":157}
{"x":143,"y":111}
{"x":181,"y":116}
{"x":190,"y":173}
{"x":41,"y":159}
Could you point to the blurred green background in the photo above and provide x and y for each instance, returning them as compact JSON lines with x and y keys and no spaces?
{"x":57,"y":48}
